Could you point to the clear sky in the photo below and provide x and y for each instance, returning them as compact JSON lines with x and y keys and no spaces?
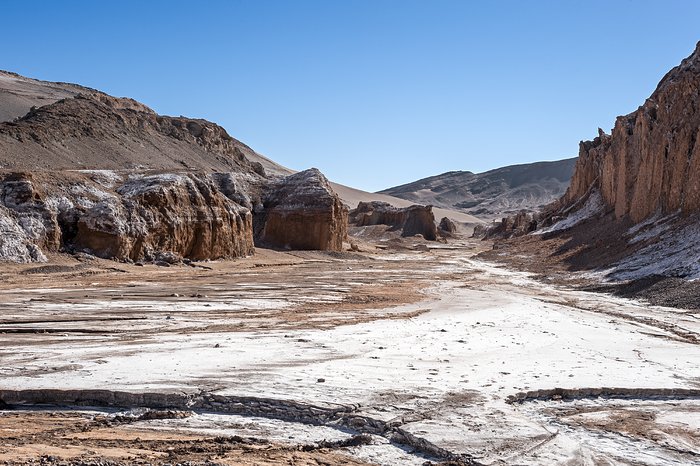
{"x":375,"y":93}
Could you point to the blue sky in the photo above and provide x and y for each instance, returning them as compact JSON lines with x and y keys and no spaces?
{"x":375,"y":93}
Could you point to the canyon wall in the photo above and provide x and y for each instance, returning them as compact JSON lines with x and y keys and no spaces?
{"x":651,"y":161}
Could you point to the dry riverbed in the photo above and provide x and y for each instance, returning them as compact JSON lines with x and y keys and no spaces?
{"x":397,"y":356}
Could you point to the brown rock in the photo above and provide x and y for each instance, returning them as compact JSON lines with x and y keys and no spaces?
{"x":413,"y":220}
{"x":651,"y":161}
{"x":301,"y":211}
{"x":185,"y":215}
{"x":447,"y":226}
{"x":147,"y":217}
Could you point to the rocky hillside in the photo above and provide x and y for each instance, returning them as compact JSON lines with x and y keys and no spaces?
{"x":634,"y":201}
{"x":88,"y":172}
{"x":492,"y":194}
{"x":57,"y":126}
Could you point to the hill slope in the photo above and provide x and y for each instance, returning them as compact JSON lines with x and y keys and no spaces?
{"x":75,"y":127}
{"x":492,"y":194}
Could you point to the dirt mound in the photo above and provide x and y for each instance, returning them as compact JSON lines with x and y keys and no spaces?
{"x":96,"y":131}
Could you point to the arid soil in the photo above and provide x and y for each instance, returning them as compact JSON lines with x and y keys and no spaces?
{"x":404,"y":352}
{"x":91,"y":438}
{"x":583,"y":255}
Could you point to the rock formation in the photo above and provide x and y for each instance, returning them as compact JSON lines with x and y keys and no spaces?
{"x":109,"y":176}
{"x":651,"y":161}
{"x":413,"y":220}
{"x":184,"y":214}
{"x":634,"y":201}
{"x":187,"y":215}
{"x":447,"y":226}
{"x":301,"y":211}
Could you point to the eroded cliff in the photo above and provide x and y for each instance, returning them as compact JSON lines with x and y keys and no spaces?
{"x":301,"y":211}
{"x":651,"y":162}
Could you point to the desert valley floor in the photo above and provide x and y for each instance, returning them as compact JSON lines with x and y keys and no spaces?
{"x":397,"y":356}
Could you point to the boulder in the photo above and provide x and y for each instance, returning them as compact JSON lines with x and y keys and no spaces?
{"x":301,"y":211}
{"x":447,"y":226}
{"x":413,"y":220}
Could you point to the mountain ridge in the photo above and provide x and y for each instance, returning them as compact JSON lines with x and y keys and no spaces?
{"x":494,"y":193}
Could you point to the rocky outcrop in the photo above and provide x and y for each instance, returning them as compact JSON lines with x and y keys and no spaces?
{"x":516,"y":225}
{"x":301,"y":211}
{"x":187,"y":215}
{"x":633,"y":205}
{"x":183,"y":214}
{"x":651,"y":162}
{"x":447,"y":226}
{"x":413,"y":220}
{"x":141,"y":216}
{"x":111,"y":177}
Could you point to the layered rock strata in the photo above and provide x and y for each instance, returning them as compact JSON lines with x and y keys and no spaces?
{"x":109,"y":176}
{"x":301,"y":211}
{"x":124,"y":217}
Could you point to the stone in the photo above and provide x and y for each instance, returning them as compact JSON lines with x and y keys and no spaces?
{"x":183,"y":215}
{"x":301,"y":211}
{"x":651,"y":161}
{"x":447,"y":226}
{"x":413,"y":220}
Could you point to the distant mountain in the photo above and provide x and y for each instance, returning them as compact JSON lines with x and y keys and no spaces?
{"x":492,"y":194}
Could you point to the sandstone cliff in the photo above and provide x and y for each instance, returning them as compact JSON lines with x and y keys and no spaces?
{"x":651,"y":162}
{"x":633,"y":204}
{"x":301,"y":211}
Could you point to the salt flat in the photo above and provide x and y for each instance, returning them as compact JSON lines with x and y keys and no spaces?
{"x":439,"y":364}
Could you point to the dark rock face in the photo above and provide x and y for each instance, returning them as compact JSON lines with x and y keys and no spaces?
{"x":447,"y":226}
{"x":413,"y":220}
{"x":301,"y":211}
{"x":517,"y":225}
{"x":651,"y":161}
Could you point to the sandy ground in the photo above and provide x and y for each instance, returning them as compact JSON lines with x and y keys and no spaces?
{"x":432,"y":343}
